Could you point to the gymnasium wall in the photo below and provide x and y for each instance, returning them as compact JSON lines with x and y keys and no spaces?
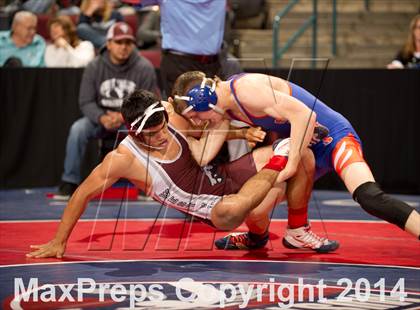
{"x":39,"y":106}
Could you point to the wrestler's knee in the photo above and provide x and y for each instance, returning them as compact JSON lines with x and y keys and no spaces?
{"x":375,"y":202}
{"x":228,"y":214}
{"x":225,"y":220}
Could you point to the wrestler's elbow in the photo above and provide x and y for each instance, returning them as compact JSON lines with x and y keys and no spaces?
{"x":309,"y":128}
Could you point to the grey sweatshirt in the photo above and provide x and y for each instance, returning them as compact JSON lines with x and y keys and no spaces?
{"x":104,"y":84}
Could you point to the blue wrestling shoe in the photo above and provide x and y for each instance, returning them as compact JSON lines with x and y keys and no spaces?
{"x":304,"y":238}
{"x":242,"y":241}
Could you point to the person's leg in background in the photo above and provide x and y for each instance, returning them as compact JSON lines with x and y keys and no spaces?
{"x":38,"y":6}
{"x":88,"y":33}
{"x":80,"y":133}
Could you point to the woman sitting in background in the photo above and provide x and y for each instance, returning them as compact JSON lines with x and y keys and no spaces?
{"x":96,"y":17}
{"x":409,"y":56}
{"x":66,"y":49}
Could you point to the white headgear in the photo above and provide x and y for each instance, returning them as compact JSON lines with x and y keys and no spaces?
{"x":152,"y":109}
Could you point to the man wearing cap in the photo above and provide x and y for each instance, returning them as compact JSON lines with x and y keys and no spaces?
{"x":114,"y":74}
{"x":192,"y":36}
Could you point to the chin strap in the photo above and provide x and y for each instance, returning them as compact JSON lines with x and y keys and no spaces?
{"x":151,"y":147}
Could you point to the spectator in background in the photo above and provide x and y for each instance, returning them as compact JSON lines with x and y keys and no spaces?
{"x":149,"y":37}
{"x":250,"y":14}
{"x":96,"y":17}
{"x":38,"y":6}
{"x":230,"y":65}
{"x":66,"y":49}
{"x":192,"y":35}
{"x":409,"y":55}
{"x":52,"y":7}
{"x":21,"y":46}
{"x":148,"y":33}
{"x":114,"y":74}
{"x":68,"y":7}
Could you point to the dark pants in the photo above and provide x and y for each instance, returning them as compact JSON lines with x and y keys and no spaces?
{"x":173,"y":66}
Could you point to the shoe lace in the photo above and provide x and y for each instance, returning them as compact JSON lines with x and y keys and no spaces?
{"x":239,"y":238}
{"x":311,"y":238}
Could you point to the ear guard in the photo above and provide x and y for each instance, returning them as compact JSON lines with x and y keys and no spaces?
{"x":201,"y":98}
{"x":152,"y":109}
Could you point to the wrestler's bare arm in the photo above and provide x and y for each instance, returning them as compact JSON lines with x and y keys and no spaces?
{"x":205,"y":143}
{"x":205,"y":149}
{"x":252,"y":135}
{"x":213,"y":143}
{"x":281,"y":106}
{"x":114,"y":166}
{"x":302,"y":123}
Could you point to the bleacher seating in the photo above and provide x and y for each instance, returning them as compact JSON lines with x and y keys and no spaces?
{"x":154,"y":56}
{"x":42,"y":26}
{"x":366,"y":38}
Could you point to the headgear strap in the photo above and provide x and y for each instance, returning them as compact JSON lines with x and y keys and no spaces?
{"x":201,"y":98}
{"x":152,"y":109}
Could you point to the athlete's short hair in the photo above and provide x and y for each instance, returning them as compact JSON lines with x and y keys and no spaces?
{"x":136,"y":104}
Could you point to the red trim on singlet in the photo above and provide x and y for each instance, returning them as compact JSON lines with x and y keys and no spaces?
{"x":290,"y":89}
{"x":351,"y":145}
{"x":238,"y":118}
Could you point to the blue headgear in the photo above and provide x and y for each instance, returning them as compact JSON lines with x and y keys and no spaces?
{"x":201,"y":98}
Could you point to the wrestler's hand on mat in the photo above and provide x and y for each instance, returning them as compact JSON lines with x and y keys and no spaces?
{"x":50,"y":249}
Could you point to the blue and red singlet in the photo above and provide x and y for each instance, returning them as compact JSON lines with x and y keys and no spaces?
{"x":340,"y":148}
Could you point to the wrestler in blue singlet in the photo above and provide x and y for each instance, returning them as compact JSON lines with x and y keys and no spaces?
{"x":338,"y":126}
